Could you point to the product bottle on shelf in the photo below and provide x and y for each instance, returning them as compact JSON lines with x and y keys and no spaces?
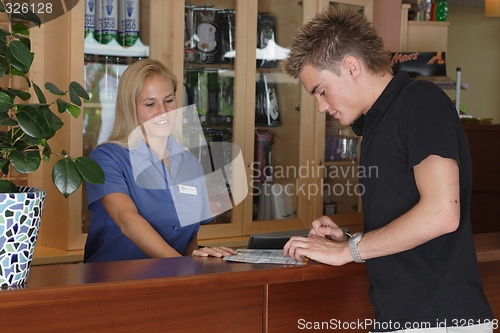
{"x":442,"y":10}
{"x":89,"y":17}
{"x":128,"y":22}
{"x":106,"y":29}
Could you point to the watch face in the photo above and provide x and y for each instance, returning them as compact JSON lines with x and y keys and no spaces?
{"x":356,"y":237}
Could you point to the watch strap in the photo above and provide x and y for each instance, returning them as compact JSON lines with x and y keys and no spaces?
{"x":353,"y":246}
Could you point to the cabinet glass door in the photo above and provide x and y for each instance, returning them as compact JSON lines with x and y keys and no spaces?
{"x":209,"y":78}
{"x":280,"y":170}
{"x":108,"y":52}
{"x":265,"y":118}
{"x":341,"y":189}
{"x":211,"y":84}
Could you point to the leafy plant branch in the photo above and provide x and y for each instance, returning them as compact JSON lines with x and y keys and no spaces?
{"x":27,"y":127}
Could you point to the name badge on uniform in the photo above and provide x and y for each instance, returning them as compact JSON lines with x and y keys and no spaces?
{"x":185,"y":189}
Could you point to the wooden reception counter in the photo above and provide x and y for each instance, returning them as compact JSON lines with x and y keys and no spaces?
{"x":191,"y":294}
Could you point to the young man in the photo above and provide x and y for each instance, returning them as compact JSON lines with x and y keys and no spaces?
{"x":418,"y":246}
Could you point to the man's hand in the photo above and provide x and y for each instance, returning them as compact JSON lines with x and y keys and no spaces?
{"x":325,"y":227}
{"x":318,"y":248}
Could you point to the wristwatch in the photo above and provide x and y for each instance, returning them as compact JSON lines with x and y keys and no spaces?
{"x":353,"y":246}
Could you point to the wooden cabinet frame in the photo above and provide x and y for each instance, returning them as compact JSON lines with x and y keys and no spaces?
{"x":58,"y":50}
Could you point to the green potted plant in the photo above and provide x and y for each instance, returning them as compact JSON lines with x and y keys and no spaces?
{"x":25,"y":130}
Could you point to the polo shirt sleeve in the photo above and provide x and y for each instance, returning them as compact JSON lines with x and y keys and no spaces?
{"x":112,"y":159}
{"x":430,"y":124}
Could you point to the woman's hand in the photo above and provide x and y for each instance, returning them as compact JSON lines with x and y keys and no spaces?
{"x":218,"y":252}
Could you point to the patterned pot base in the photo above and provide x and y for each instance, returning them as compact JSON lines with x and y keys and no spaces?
{"x":20,"y":215}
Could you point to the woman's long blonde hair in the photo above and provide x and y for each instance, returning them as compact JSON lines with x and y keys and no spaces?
{"x":126,"y":128}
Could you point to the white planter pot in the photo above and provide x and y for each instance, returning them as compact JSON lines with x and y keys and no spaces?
{"x":20,"y":215}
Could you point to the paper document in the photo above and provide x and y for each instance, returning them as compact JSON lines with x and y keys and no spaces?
{"x":255,"y":256}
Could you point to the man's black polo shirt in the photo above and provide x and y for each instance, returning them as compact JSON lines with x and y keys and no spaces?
{"x":436,"y":282}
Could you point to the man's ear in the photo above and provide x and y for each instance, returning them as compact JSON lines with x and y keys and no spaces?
{"x":352,"y":66}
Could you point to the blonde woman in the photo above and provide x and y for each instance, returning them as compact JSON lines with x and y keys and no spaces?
{"x":154,"y":197}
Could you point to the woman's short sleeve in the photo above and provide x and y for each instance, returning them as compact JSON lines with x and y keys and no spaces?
{"x":112,"y":159}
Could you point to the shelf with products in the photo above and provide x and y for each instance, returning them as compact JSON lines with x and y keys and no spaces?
{"x":209,"y":83}
{"x":62,"y":44}
{"x":338,"y":179}
{"x":341,"y":189}
{"x":282,"y":128}
{"x":113,"y":40}
{"x":422,"y":35}
{"x":102,"y":72}
{"x":265,"y":122}
{"x":284,"y":170}
{"x":138,"y":49}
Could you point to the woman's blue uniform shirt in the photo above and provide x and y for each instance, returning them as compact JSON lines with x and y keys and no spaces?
{"x":141,"y":175}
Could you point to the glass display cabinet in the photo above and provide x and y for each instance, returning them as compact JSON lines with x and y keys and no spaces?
{"x":270,"y":121}
{"x":233,"y":53}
